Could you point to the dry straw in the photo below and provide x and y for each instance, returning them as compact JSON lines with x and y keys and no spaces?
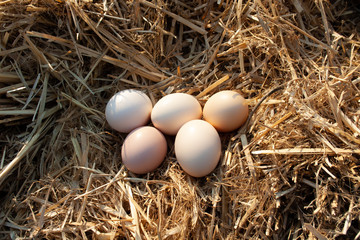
{"x":291,"y":173}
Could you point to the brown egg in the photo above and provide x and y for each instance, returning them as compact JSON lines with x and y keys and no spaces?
{"x":143,"y":150}
{"x":226,"y":111}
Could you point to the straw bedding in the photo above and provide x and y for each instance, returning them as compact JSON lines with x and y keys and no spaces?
{"x":292,"y":172}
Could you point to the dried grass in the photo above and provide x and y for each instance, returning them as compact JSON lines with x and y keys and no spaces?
{"x":291,"y":173}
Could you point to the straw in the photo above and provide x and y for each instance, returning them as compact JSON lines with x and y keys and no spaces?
{"x":290,"y":172}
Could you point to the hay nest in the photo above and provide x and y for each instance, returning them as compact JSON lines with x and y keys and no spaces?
{"x":292,"y":173}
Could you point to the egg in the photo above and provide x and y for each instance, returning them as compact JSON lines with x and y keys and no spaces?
{"x":173,"y":110}
{"x":226,"y":111}
{"x":143,"y":150}
{"x":127,"y":110}
{"x":197,"y":148}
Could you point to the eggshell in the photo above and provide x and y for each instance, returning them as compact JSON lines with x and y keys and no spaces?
{"x":127,"y":110}
{"x":226,"y":111}
{"x":143,"y":150}
{"x":197,"y":148}
{"x":173,"y":110}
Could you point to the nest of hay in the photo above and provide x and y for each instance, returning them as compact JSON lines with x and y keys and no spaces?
{"x":292,"y":173}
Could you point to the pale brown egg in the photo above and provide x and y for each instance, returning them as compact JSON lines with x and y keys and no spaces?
{"x":173,"y":110}
{"x":197,"y":148}
{"x":143,"y":150}
{"x":226,"y":111}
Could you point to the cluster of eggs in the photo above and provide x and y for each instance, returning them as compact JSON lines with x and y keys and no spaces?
{"x":197,"y":143}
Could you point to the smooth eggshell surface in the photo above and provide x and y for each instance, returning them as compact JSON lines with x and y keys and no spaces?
{"x":143,"y":150}
{"x":197,"y":148}
{"x":226,"y":111}
{"x":173,"y":110}
{"x":127,"y":110}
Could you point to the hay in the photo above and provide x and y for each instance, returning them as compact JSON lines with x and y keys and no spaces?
{"x":291,"y":172}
